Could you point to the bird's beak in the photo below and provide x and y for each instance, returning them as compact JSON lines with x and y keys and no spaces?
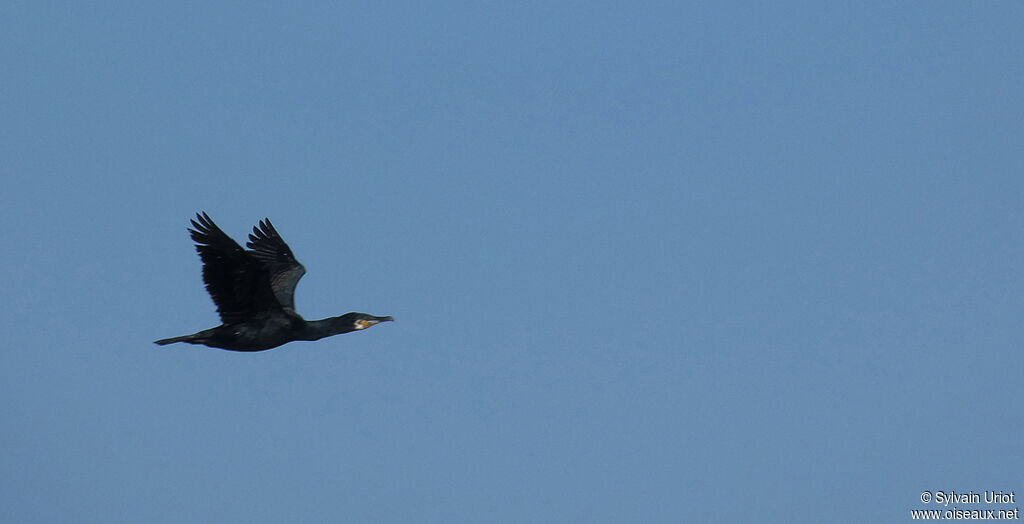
{"x":375,"y":320}
{"x":364,"y":323}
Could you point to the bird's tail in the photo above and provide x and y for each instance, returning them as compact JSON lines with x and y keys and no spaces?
{"x":183,"y":338}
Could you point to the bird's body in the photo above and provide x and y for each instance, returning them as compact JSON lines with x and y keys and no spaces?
{"x":254,"y":291}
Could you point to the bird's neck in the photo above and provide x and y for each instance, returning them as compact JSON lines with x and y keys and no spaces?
{"x":317,"y":329}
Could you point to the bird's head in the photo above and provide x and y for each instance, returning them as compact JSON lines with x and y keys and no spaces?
{"x":363,"y":320}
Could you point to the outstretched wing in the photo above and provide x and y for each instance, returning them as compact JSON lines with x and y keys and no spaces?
{"x":239,"y":284}
{"x":269,"y":248}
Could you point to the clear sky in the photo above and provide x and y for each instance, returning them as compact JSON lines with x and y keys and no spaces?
{"x":648,"y":262}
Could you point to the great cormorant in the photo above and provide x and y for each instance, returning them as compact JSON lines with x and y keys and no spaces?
{"x":254,"y":291}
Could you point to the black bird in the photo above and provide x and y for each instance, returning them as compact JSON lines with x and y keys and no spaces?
{"x":254,"y":291}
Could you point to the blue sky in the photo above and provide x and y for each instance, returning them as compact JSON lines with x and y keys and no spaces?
{"x":649,"y":263}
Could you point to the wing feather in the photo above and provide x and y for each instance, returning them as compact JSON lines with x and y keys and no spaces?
{"x":238,"y":282}
{"x":285,"y":271}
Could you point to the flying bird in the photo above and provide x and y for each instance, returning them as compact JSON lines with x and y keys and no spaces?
{"x":254,"y":290}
